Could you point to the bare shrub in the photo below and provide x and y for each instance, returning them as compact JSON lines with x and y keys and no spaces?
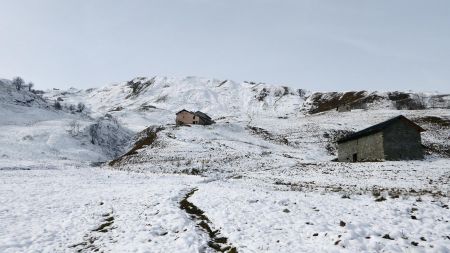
{"x":18,"y":82}
{"x":278,"y":93}
{"x":263,"y":94}
{"x":301,"y":92}
{"x":193,"y":171}
{"x":72,"y":108}
{"x":30,"y":86}
{"x":57,"y":105}
{"x":74,"y":129}
{"x":81,"y":107}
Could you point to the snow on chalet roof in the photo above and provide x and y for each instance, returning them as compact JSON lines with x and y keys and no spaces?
{"x":379,"y":127}
{"x":197,"y":113}
{"x":202,"y":115}
{"x":184,"y":110}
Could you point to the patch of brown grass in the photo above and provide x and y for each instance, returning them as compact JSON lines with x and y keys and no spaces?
{"x":148,"y":138}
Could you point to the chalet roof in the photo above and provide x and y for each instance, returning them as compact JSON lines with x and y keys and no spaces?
{"x":380,"y":127}
{"x":184,"y":110}
{"x":202,"y":115}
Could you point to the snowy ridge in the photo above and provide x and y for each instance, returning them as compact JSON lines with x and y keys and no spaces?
{"x":160,"y":97}
{"x":222,"y":98}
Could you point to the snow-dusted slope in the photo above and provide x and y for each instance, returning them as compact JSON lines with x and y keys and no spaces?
{"x":10,"y":96}
{"x":220,"y":98}
{"x":325,"y":101}
{"x":144,"y":101}
{"x":33,"y":131}
{"x":255,"y":121}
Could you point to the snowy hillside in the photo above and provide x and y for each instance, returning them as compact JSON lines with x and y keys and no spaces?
{"x":273,"y":125}
{"x":155,"y":100}
{"x":33,"y":131}
{"x":262,"y":179}
{"x":10,"y":96}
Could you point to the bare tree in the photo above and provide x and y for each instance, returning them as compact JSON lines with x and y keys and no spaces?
{"x":30,"y":86}
{"x":421,"y":101}
{"x":18,"y":82}
{"x":72,"y":108}
{"x":301,"y":92}
{"x":81,"y":107}
{"x":57,"y":105}
{"x":74,"y":128}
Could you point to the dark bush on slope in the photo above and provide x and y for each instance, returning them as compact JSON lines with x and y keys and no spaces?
{"x":109,"y":135}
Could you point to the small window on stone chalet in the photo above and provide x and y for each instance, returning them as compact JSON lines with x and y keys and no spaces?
{"x":193,"y":117}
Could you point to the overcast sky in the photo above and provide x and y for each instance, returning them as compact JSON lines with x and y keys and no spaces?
{"x":318,"y":45}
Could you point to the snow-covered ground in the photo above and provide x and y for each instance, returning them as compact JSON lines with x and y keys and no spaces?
{"x":46,"y":209}
{"x":257,"y":219}
{"x":83,"y":209}
{"x":261,"y":179}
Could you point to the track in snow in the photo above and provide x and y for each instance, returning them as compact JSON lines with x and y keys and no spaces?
{"x":217,"y":242}
{"x":90,"y":239}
